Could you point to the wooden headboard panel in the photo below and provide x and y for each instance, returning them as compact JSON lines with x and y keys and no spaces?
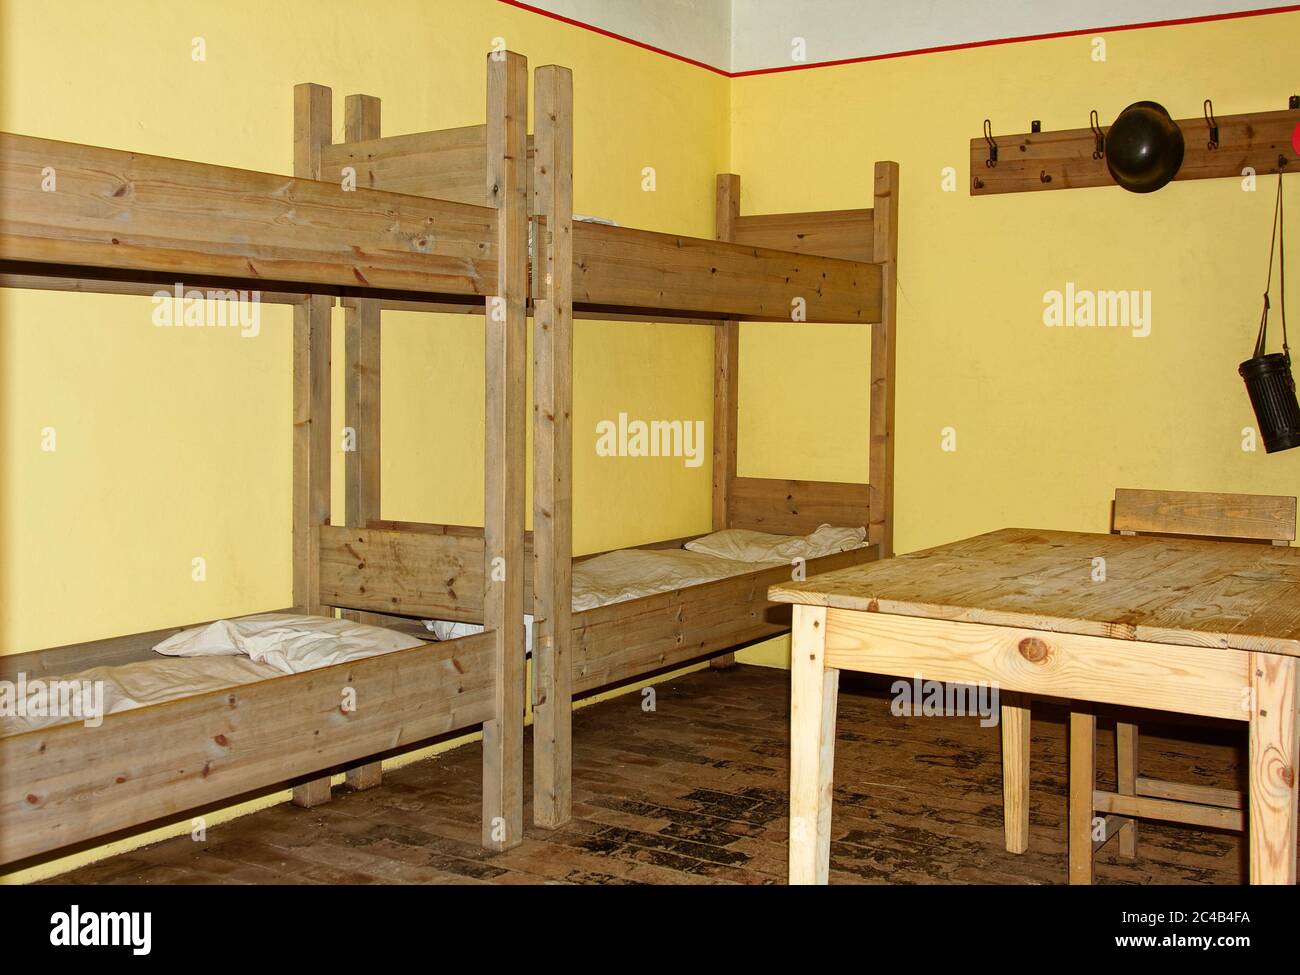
{"x":797,"y":507}
{"x":846,"y":234}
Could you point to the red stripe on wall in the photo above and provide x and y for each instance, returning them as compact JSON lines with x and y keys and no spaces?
{"x":618,"y":37}
{"x":1203,"y":19}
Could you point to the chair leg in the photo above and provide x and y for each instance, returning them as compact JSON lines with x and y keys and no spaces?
{"x":1083,"y":780}
{"x":1015,"y":772}
{"x":1126,"y":764}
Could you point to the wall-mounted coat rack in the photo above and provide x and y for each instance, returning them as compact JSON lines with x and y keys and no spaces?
{"x":1216,"y":147}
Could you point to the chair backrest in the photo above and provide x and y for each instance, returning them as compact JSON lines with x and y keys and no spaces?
{"x":1257,"y":517}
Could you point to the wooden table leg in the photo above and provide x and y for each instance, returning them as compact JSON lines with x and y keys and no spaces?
{"x":1083,"y":780}
{"x":812,"y":747}
{"x":1015,"y":771}
{"x":1273,"y":769}
{"x":825,"y":771}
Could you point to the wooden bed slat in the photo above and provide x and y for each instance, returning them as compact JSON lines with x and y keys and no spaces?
{"x":617,"y":268}
{"x":91,"y":286}
{"x":797,"y":507}
{"x":153,"y":215}
{"x":846,"y":234}
{"x":70,"y":784}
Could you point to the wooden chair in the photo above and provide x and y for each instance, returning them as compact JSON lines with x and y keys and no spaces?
{"x":1237,"y":517}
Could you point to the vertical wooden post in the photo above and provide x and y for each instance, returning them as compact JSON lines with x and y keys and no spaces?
{"x":1126,"y":768}
{"x":361,"y":397}
{"x":362,"y":343}
{"x":1015,"y":771}
{"x":311,"y":376}
{"x":1274,"y":768}
{"x":314,"y":792}
{"x":505,"y":325}
{"x":553,"y":450}
{"x":726,"y":379}
{"x":1083,"y":780}
{"x":311,"y":399}
{"x":883,"y":340}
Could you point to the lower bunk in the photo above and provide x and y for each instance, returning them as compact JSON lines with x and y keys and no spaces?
{"x":240,"y":727}
{"x":188,"y":721}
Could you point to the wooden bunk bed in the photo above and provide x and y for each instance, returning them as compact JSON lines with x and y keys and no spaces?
{"x":124,"y":223}
{"x":842,"y":264}
{"x":438,"y":222}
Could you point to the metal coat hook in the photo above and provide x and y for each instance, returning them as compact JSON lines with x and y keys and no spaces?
{"x":1099,"y":145}
{"x":1213,"y":125}
{"x":992,"y":160}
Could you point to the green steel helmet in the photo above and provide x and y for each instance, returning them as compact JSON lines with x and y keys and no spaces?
{"x":1144,"y":148}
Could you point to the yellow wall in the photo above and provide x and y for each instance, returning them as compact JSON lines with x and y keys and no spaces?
{"x":1049,"y":421}
{"x":173,"y":444}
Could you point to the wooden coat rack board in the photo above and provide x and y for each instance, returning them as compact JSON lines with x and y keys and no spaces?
{"x":1067,"y":159}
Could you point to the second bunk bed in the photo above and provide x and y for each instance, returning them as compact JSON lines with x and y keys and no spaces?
{"x":665,"y":604}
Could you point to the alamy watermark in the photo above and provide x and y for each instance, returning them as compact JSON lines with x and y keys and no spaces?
{"x":932,"y":699}
{"x":1082,"y":308}
{"x":212,"y":308}
{"x":652,"y":438}
{"x":56,"y":698}
{"x":75,"y":928}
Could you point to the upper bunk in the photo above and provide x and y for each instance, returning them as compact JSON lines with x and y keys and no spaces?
{"x":403,"y":218}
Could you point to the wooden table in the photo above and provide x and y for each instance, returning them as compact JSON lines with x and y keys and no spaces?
{"x":1190,"y":626}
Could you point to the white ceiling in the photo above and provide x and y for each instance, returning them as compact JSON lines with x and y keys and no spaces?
{"x":695,"y":29}
{"x":755,"y":35}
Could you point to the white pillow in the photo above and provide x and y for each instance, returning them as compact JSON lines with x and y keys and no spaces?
{"x":744,"y":545}
{"x":450,"y":630}
{"x":291,"y":644}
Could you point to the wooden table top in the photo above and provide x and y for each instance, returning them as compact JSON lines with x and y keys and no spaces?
{"x":1194,"y":592}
